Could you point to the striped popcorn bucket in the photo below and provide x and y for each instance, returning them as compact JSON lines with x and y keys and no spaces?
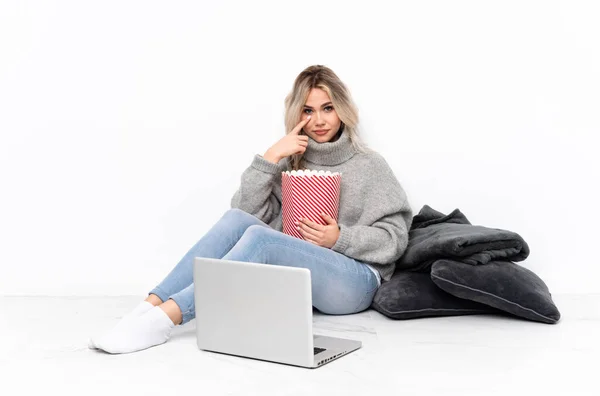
{"x":307,"y":194}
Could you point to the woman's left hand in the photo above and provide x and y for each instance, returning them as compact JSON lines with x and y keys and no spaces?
{"x":319,"y":234}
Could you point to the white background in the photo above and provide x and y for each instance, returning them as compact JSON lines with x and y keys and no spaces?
{"x":125,"y":125}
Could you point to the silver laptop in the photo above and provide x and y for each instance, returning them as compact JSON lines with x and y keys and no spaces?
{"x":260,"y":311}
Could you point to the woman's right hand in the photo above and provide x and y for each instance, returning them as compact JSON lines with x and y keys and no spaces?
{"x":292,"y":143}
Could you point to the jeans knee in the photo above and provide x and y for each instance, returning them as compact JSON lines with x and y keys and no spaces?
{"x":244,"y":219}
{"x":235,"y":213}
{"x":255,"y":231}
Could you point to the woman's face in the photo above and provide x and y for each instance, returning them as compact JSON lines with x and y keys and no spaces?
{"x":324,"y":123}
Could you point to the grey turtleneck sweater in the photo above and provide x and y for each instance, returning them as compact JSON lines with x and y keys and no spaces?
{"x":374,"y":214}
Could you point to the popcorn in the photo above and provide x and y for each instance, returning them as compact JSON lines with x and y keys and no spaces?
{"x":306,"y":194}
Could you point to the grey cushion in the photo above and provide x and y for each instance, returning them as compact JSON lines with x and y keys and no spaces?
{"x":500,"y":284}
{"x":409,"y":295}
{"x":434,"y":235}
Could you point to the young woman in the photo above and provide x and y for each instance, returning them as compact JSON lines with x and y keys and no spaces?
{"x":347,"y":258}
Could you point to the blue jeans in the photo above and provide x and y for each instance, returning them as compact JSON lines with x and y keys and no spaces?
{"x":340,"y":284}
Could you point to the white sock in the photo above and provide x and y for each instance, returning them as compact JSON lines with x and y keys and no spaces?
{"x":140,"y":309}
{"x":141,"y":332}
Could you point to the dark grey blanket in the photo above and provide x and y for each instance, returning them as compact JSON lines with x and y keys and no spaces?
{"x":435,"y":236}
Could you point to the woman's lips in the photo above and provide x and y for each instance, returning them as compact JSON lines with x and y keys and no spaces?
{"x":323,"y":132}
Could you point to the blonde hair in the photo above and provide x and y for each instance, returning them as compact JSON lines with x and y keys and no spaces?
{"x":318,"y":76}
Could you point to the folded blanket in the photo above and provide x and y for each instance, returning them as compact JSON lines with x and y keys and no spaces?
{"x":435,"y":236}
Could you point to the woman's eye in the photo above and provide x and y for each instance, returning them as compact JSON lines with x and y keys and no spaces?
{"x":327,"y":108}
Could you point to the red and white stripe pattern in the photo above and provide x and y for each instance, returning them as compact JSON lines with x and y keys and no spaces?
{"x":307,"y":196}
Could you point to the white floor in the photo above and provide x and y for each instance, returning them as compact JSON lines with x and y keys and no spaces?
{"x":44,"y":349}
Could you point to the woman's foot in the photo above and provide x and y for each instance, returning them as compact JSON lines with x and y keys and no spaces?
{"x":141,"y":332}
{"x":140,"y":309}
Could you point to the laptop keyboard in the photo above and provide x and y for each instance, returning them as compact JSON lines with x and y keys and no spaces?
{"x":318,"y":350}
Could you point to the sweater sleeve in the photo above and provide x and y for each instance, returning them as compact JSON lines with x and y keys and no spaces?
{"x":381,"y":234}
{"x":256,"y":192}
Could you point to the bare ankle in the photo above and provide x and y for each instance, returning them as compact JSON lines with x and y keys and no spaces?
{"x":173,"y":311}
{"x":154,"y":300}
